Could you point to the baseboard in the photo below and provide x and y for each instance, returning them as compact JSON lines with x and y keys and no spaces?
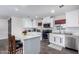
{"x":71,"y":49}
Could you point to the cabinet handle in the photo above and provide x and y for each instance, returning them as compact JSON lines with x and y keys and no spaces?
{"x":60,"y":40}
{"x":54,"y":39}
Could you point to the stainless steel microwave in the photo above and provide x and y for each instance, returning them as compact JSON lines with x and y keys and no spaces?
{"x":46,"y":25}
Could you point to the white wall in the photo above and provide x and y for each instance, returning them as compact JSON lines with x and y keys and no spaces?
{"x":3,"y":29}
{"x":60,"y":17}
{"x":19,"y":24}
{"x":72,"y":30}
{"x":28,"y":23}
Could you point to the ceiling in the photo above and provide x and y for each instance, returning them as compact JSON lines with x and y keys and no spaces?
{"x":34,"y":10}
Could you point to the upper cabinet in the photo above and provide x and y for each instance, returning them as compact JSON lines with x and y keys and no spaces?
{"x":60,"y":19}
{"x":28,"y":23}
{"x":48,"y":20}
{"x":34,"y":25}
{"x":72,"y":19}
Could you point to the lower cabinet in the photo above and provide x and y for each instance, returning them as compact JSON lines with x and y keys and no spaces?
{"x":51,"y":39}
{"x":57,"y":39}
{"x":72,"y":42}
{"x":65,"y":40}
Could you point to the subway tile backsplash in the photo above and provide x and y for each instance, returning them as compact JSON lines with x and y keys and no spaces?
{"x":72,"y":29}
{"x":68,"y":30}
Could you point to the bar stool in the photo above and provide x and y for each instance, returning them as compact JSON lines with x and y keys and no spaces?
{"x":15,"y":45}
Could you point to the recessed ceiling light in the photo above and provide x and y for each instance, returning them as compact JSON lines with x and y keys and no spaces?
{"x":53,"y":11}
{"x":36,"y":16}
{"x":16,"y":9}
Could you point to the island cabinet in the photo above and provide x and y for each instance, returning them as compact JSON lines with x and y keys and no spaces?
{"x":31,"y":42}
{"x":31,"y":45}
{"x":72,"y":19}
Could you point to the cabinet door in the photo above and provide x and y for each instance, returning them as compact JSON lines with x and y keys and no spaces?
{"x":76,"y":43}
{"x":57,"y":40}
{"x":52,"y":39}
{"x":72,"y":19}
{"x":61,"y":41}
{"x":34,"y":23}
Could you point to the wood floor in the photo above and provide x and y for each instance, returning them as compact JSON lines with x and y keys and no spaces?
{"x":4,"y":46}
{"x":44,"y":49}
{"x":47,"y":50}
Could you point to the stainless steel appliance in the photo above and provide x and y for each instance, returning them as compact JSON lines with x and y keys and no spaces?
{"x":71,"y":42}
{"x":46,"y":25}
{"x":45,"y":35}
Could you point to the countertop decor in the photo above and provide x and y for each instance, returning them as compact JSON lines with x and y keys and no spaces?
{"x":24,"y":32}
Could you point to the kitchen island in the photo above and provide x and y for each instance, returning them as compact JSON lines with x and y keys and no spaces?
{"x":31,"y":42}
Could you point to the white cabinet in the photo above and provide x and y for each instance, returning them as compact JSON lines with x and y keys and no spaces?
{"x":28,"y":23}
{"x":52,"y":39}
{"x":72,"y":19}
{"x":57,"y":39}
{"x":48,"y":20}
{"x":35,"y":23}
{"x":60,"y":40}
{"x":31,"y":46}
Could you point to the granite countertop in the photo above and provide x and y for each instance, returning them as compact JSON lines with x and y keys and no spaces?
{"x":28,"y":35}
{"x":66,"y":34}
{"x":63,"y":33}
